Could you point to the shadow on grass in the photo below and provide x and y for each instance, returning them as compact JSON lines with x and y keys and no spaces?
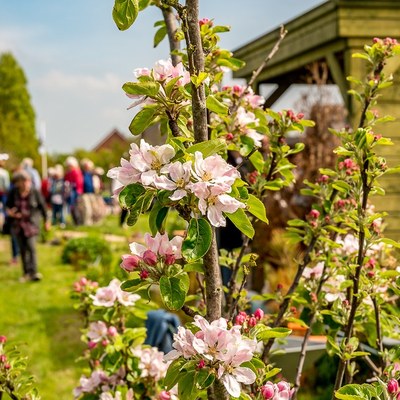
{"x":63,"y":326}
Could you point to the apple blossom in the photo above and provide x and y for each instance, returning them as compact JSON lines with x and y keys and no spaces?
{"x":129,"y":262}
{"x":151,"y":362}
{"x":97,"y":331}
{"x":179,"y":176}
{"x":213,"y":201}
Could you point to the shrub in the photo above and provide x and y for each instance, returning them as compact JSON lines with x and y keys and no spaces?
{"x":87,"y":251}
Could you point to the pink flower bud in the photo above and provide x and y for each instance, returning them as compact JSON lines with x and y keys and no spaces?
{"x":393,"y":386}
{"x":83,"y":281}
{"x":7,"y":366}
{"x":164,"y":395}
{"x":240,"y":319}
{"x":229,"y":136}
{"x":3,"y":358}
{"x":259,"y":314}
{"x":150,"y":258}
{"x":314,"y":214}
{"x":300,"y":115}
{"x":112,"y":331}
{"x":170,"y":259}
{"x":144,"y":274}
{"x":3,"y":339}
{"x":252,"y":321}
{"x":205,"y":21}
{"x":268,"y":391}
{"x":77,"y":287}
{"x":91,"y":344}
{"x":129,"y":262}
{"x":324,"y":178}
{"x":201,"y":364}
{"x":282,"y":386}
{"x":104,"y":342}
{"x":371,"y":274}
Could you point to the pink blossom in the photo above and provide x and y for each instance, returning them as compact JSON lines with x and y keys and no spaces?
{"x":105,"y":296}
{"x":164,"y":395}
{"x":109,"y":396}
{"x":151,"y":362}
{"x":3,"y":339}
{"x":163,"y":69}
{"x":213,"y":202}
{"x":125,"y":174}
{"x":183,"y":345}
{"x":127,"y":299}
{"x":180,"y":70}
{"x":214,"y":170}
{"x":179,"y":177}
{"x":97,"y":331}
{"x":149,"y":160}
{"x":315,"y":272}
{"x":240,"y":319}
{"x":88,"y":385}
{"x":112,"y":331}
{"x":159,"y":245}
{"x":141,"y":72}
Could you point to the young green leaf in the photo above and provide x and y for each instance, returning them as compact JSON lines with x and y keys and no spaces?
{"x":198,"y":239}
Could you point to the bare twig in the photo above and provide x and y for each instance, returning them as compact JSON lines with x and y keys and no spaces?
{"x":188,"y":311}
{"x":170,"y":23}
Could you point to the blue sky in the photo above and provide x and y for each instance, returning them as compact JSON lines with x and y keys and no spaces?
{"x":76,"y":60}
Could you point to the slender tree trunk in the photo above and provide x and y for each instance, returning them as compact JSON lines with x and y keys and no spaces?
{"x":170,"y":23}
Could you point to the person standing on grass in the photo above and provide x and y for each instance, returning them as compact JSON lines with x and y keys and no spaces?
{"x":25,"y":205}
{"x":74,"y":187}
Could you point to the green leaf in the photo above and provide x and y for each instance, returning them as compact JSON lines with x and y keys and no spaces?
{"x":209,"y":147}
{"x":157,"y":218}
{"x":257,"y":208}
{"x":172,"y":376}
{"x":142,"y":120}
{"x":143,"y":4}
{"x":390,"y":242}
{"x":198,"y":239}
{"x":129,"y":194}
{"x":273,"y":333}
{"x":141,"y":205}
{"x":242,"y":222}
{"x":147,"y":88}
{"x":186,"y":389}
{"x":173,"y":292}
{"x":214,"y":105}
{"x":351,"y":392}
{"x":124,"y":13}
{"x":204,"y":378}
{"x":257,"y":160}
{"x":160,"y":35}
{"x":131,"y":285}
{"x":194,"y":267}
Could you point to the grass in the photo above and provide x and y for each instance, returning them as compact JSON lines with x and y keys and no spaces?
{"x":39,"y":317}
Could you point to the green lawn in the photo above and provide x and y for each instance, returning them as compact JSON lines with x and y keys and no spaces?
{"x":39,"y":316}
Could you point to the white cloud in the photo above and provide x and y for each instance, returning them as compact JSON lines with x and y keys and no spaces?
{"x":57,"y":80}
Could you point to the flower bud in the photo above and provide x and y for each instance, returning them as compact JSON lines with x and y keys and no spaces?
{"x":150,"y":258}
{"x":129,"y":262}
{"x":83,"y":281}
{"x":3,"y":339}
{"x":268,"y":391}
{"x":3,"y":358}
{"x":104,"y":342}
{"x":144,"y":274}
{"x":92,"y":344}
{"x":240,"y":319}
{"x":164,"y":395}
{"x":252,"y":321}
{"x":7,"y":366}
{"x":205,"y":21}
{"x":393,"y":386}
{"x":229,"y":136}
{"x":112,"y":331}
{"x":314,"y":214}
{"x":201,"y":364}
{"x":259,"y":314}
{"x":170,"y":259}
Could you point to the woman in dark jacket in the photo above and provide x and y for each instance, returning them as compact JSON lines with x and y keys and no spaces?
{"x":25,"y":205}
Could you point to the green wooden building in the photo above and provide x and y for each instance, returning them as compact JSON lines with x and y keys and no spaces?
{"x":331,"y":33}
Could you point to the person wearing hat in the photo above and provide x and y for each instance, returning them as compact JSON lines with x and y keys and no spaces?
{"x":25,"y":206}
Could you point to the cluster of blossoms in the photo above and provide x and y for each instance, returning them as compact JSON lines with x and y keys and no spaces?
{"x":348,"y":165}
{"x":85,"y":285}
{"x":248,"y":321}
{"x":4,"y":364}
{"x":163,"y":71}
{"x":100,"y":382}
{"x":276,"y":391}
{"x":157,"y":250}
{"x":107,"y":296}
{"x":151,"y":362}
{"x":237,"y":91}
{"x":217,"y":347}
{"x":100,"y":332}
{"x":209,"y":179}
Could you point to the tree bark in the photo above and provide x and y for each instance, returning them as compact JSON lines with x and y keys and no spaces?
{"x":170,"y":23}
